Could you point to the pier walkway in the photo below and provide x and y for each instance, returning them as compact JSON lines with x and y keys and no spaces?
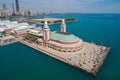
{"x":89,"y":59}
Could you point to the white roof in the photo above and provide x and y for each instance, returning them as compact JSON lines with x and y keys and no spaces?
{"x":25,"y":24}
{"x":14,"y":24}
{"x":36,"y":32}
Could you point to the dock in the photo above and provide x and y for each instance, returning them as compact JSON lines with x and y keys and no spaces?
{"x":61,"y":45}
{"x":89,"y":59}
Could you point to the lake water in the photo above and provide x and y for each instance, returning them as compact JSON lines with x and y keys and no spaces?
{"x":19,"y":62}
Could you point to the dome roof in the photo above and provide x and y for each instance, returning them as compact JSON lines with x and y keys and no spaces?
{"x":63,"y":37}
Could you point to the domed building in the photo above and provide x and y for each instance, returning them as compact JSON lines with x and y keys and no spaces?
{"x":61,"y":40}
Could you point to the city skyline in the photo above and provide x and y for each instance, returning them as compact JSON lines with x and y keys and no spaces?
{"x":82,"y":6}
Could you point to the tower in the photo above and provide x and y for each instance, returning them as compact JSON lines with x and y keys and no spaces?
{"x":17,"y":5}
{"x":63,"y":26}
{"x":13,"y":7}
{"x":4,"y":7}
{"x":46,"y":32}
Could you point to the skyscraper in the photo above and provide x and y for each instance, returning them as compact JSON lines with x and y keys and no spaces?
{"x":17,"y":5}
{"x":13,"y":7}
{"x":4,"y":7}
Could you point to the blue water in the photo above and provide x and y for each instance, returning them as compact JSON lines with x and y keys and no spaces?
{"x":19,"y":62}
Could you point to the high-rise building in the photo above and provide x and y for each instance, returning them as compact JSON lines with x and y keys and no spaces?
{"x":17,"y":5}
{"x":0,"y":13}
{"x":4,"y":7}
{"x":13,"y":8}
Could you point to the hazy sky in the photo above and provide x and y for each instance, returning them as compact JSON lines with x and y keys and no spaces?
{"x":90,"y":6}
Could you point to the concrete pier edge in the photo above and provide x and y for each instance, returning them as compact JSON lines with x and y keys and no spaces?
{"x":63,"y":60}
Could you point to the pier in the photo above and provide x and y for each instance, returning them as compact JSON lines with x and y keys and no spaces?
{"x":60,"y":45}
{"x":88,"y":60}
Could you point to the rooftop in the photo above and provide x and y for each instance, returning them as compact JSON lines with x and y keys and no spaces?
{"x":14,"y":25}
{"x":63,"y":37}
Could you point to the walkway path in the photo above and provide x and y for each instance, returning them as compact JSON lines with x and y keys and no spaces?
{"x":89,"y":59}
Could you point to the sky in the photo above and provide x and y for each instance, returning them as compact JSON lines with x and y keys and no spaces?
{"x":82,"y":6}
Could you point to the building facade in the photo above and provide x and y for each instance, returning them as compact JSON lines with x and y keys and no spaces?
{"x":60,"y":40}
{"x":46,"y":32}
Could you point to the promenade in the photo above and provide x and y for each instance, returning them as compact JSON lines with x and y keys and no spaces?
{"x":89,"y":59}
